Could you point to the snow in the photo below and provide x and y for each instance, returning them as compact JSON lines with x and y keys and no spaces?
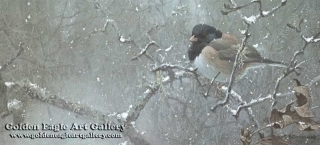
{"x":109,"y":20}
{"x":9,"y":84}
{"x":242,"y":32}
{"x":233,"y":111}
{"x":113,"y":114}
{"x":315,"y":40}
{"x":191,"y":69}
{"x":168,"y":49}
{"x":269,"y":125}
{"x":179,"y":73}
{"x":266,"y":36}
{"x":123,"y":143}
{"x":35,"y":86}
{"x":309,"y":39}
{"x":122,"y":39}
{"x":16,"y":104}
{"x":302,"y":123}
{"x":166,"y":79}
{"x":133,"y":124}
{"x":265,"y":13}
{"x":252,"y":19}
{"x":147,"y":91}
{"x":123,"y":115}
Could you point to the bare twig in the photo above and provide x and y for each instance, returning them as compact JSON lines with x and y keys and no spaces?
{"x":135,"y":136}
{"x":252,"y":18}
{"x":211,"y":83}
{"x":238,"y":97}
{"x":4,"y":66}
{"x":293,"y":63}
{"x":121,"y":38}
{"x":232,"y":9}
{"x":262,"y":99}
{"x":138,"y":108}
{"x":288,"y":71}
{"x":144,"y":51}
{"x":262,"y":128}
{"x":297,"y":28}
{"x":313,"y":81}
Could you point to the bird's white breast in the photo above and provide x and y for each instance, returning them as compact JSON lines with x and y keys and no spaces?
{"x":209,"y":71}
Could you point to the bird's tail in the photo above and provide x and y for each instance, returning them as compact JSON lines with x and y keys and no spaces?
{"x":267,"y":62}
{"x":263,"y":62}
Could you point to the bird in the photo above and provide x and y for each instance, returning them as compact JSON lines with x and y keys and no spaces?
{"x":214,"y":53}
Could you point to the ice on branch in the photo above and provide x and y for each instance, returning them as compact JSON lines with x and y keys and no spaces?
{"x":250,"y":20}
{"x":9,"y":84}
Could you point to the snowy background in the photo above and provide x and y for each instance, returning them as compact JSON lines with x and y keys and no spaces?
{"x":80,"y":50}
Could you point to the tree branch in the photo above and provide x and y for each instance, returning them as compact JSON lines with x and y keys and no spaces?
{"x":144,"y":51}
{"x":32,"y":91}
{"x":4,"y":66}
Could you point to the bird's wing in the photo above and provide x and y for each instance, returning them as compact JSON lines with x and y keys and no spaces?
{"x":220,"y":44}
{"x":228,"y":51}
{"x":231,"y":39}
{"x":248,"y":55}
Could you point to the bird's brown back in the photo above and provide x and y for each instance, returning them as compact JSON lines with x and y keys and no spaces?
{"x":231,"y":39}
{"x":225,"y":66}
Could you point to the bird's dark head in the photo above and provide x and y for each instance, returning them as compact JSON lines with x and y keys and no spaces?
{"x":204,"y":33}
{"x":201,"y":36}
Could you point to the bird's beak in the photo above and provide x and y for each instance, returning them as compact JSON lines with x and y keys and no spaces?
{"x":193,"y":39}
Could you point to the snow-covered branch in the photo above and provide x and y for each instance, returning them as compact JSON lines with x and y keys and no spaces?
{"x":166,"y":67}
{"x":33,"y":91}
{"x":252,"y":19}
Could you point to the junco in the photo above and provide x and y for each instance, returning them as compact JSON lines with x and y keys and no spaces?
{"x":213,"y":51}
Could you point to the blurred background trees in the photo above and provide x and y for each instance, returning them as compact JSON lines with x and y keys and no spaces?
{"x":80,"y":50}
